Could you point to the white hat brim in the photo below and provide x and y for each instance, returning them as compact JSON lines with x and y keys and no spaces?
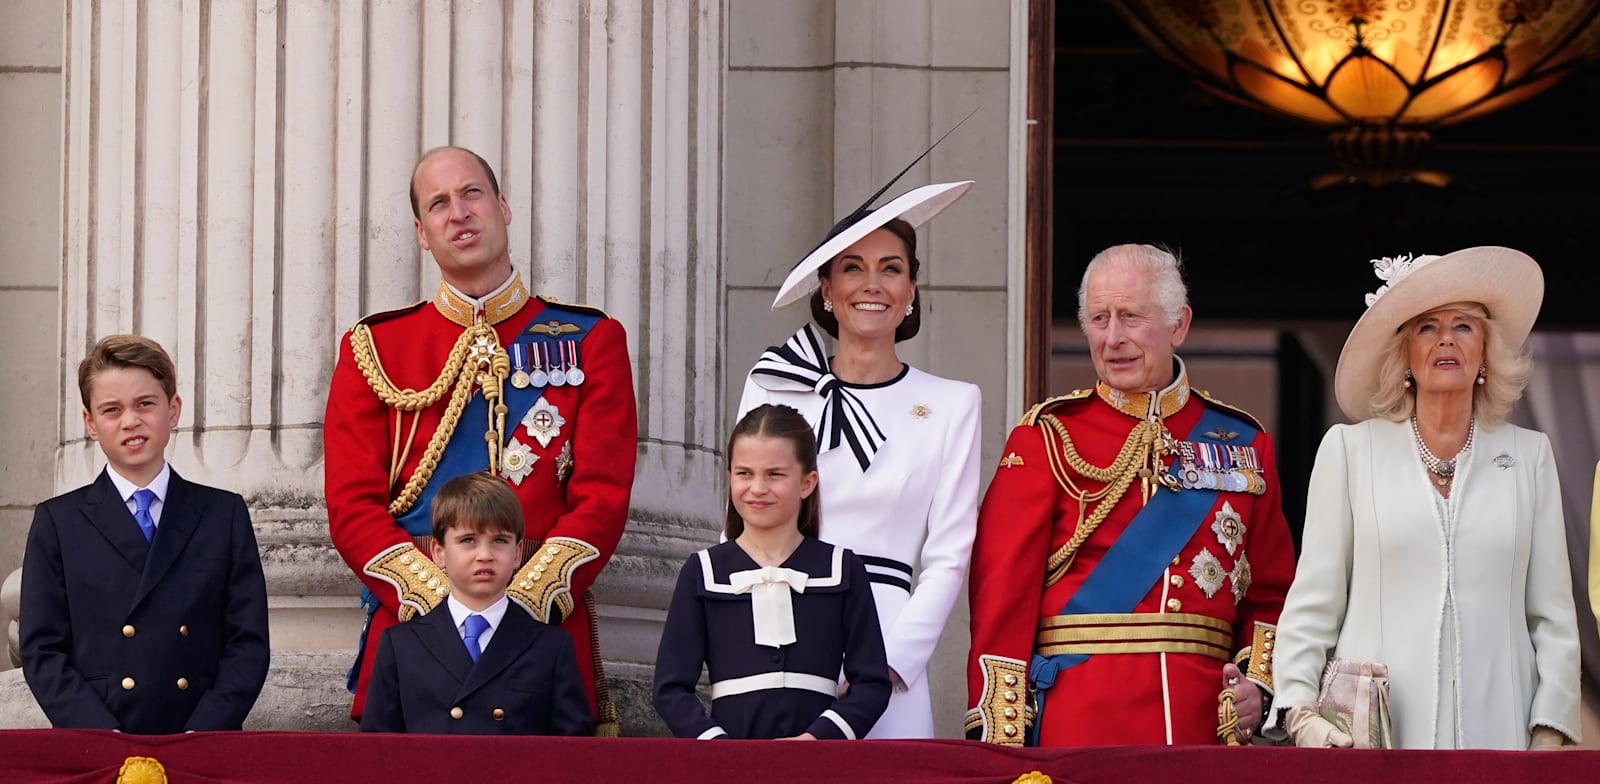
{"x":1507,"y":282}
{"x":915,"y":207}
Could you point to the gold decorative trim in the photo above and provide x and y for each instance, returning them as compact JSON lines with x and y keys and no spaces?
{"x":142,"y":770}
{"x":1032,"y":417}
{"x":1149,"y":646}
{"x":476,"y":360}
{"x":1259,"y":655}
{"x":1033,"y":777}
{"x":420,"y":584}
{"x":543,"y":587}
{"x":1002,"y":711}
{"x":1141,"y":405}
{"x":1136,"y":619}
{"x":497,"y":307}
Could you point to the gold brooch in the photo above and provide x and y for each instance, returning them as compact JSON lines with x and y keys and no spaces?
{"x":1011,"y":460}
{"x":920,"y":411}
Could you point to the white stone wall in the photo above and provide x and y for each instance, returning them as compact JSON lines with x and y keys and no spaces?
{"x":30,"y":265}
{"x":825,"y":102}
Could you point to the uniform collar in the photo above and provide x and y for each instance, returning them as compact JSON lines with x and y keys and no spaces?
{"x":1144,"y":405}
{"x":496,"y":306}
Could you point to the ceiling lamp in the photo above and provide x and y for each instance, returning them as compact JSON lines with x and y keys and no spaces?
{"x":1381,"y":73}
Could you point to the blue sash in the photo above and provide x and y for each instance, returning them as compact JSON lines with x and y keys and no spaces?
{"x":1141,"y":553}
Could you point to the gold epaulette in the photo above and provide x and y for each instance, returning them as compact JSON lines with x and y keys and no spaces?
{"x":544,"y":586}
{"x":385,"y":315}
{"x":1001,"y":715}
{"x":1032,"y":417}
{"x":578,"y":306}
{"x":1255,"y":661}
{"x":1238,"y":412}
{"x":420,"y":583}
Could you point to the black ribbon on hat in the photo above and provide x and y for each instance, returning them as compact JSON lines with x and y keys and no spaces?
{"x":801,"y":364}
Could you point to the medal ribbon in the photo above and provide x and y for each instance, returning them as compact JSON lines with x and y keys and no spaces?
{"x":800,"y":364}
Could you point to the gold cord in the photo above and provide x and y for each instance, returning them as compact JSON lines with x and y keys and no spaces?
{"x":488,"y":366}
{"x":1140,"y":456}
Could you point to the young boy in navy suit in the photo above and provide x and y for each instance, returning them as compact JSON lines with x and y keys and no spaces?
{"x":144,"y":608}
{"x":469,"y":666}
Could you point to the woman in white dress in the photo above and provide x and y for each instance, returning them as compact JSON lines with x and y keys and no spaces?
{"x":1434,"y":543}
{"x":899,"y":446}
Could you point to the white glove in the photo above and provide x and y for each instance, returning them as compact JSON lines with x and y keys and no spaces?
{"x":1309,"y":730}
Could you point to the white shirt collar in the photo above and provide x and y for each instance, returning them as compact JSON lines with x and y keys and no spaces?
{"x":494,"y":613}
{"x":126,"y":488}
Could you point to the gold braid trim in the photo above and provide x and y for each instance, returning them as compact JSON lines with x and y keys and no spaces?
{"x":420,"y":583}
{"x":543,"y":587}
{"x":1142,"y":449}
{"x":477,"y":359}
{"x":1001,"y":715}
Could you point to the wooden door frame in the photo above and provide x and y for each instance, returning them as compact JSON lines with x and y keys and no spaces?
{"x":1039,"y":206}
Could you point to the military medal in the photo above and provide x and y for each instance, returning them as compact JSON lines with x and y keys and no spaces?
{"x":564,"y":462}
{"x":519,"y":360}
{"x":575,"y":374}
{"x":543,"y":422}
{"x":516,"y":461}
{"x":538,"y":377}
{"x":558,"y":374}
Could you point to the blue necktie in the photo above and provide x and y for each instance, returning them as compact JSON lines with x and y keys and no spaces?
{"x":142,"y":499}
{"x":476,"y":625}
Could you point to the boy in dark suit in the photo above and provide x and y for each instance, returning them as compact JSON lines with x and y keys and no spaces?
{"x":468,"y":666}
{"x":144,"y":608}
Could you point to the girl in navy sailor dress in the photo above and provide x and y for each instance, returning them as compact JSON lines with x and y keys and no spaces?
{"x":773,"y":614}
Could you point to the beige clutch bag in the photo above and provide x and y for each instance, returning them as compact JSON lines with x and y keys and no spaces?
{"x":1355,"y":698}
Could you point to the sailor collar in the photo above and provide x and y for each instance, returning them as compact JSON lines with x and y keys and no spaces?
{"x":822,"y":563}
{"x":496,"y":306}
{"x":1144,"y":405}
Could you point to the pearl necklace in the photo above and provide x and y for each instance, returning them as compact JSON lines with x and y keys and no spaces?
{"x":1444,"y":470}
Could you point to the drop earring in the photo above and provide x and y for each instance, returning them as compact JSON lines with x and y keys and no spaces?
{"x":827,"y":305}
{"x":1407,"y":382}
{"x":910,"y":306}
{"x":1482,"y":375}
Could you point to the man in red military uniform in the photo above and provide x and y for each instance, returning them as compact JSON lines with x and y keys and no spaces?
{"x":1132,"y":555}
{"x":482,"y":377}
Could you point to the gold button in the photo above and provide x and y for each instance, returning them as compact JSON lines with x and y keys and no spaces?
{"x":1264,"y":667}
{"x":499,"y":714}
{"x":1270,"y":634}
{"x":127,"y":683}
{"x":1174,"y":605}
{"x":183,"y":683}
{"x":440,"y":590}
{"x":1267,"y":645}
{"x":554,"y":550}
{"x":1177,"y":581}
{"x":526,"y":586}
{"x":416,"y":567}
{"x":434,"y":583}
{"x":1011,"y":696}
{"x":424,"y":574}
{"x":407,"y":558}
{"x":456,"y":713}
{"x":1011,"y":713}
{"x":183,"y":631}
{"x":1266,"y":656}
{"x":127,"y":631}
{"x":1011,"y":730}
{"x":1011,"y":680}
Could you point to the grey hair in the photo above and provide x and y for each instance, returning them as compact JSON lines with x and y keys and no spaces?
{"x":1166,"y":277}
{"x":1506,"y":372}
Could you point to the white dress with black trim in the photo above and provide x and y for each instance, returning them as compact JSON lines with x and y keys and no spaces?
{"x":914,"y":505}
{"x":763,"y":690}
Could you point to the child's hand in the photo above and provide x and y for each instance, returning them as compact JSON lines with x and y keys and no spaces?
{"x":801,"y":736}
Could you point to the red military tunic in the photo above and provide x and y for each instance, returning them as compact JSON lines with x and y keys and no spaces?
{"x":576,"y":493}
{"x":1152,"y":676}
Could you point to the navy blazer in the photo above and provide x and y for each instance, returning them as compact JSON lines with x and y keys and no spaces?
{"x":146,"y":637}
{"x":525,"y":682}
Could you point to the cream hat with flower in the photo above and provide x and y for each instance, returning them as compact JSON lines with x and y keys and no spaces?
{"x":1506,"y":282}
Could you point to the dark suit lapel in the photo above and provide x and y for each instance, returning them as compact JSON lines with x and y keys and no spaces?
{"x":180,"y":515}
{"x":110,"y":516}
{"x":438,"y":633}
{"x":516,"y":632}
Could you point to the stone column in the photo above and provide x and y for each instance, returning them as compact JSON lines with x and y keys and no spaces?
{"x":236,"y":179}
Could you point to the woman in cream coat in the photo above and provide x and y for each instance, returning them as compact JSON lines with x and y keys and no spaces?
{"x":1434,"y":541}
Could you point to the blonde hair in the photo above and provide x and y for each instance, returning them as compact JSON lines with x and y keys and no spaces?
{"x":1506,"y":371}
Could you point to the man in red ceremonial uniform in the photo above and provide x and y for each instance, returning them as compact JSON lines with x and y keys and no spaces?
{"x":1132,"y":555}
{"x":482,"y":377}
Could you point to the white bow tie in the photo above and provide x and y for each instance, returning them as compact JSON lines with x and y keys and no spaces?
{"x":771,"y":605}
